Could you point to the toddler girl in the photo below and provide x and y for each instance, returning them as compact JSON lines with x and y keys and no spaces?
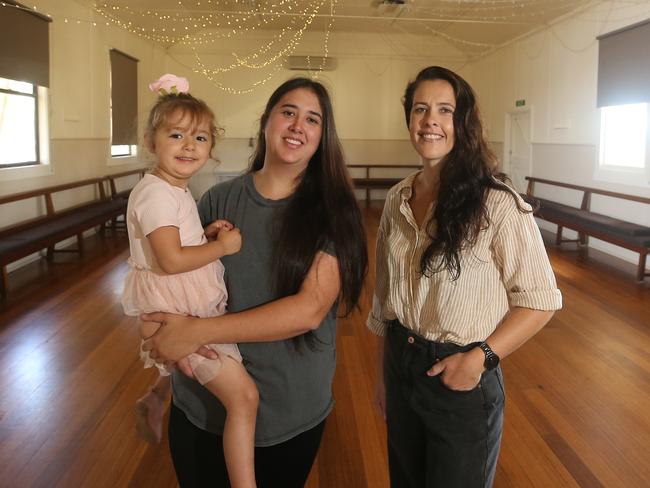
{"x":173,"y":268}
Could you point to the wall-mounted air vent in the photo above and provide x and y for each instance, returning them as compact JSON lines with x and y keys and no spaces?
{"x":311,"y":63}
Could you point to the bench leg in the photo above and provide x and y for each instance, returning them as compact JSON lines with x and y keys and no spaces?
{"x":4,"y":283}
{"x":50,"y":253}
{"x":118,"y":223}
{"x":582,"y":239}
{"x":80,"y":243}
{"x":558,"y":236}
{"x":640,"y":272}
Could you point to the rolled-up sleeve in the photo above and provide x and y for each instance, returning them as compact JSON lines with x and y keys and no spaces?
{"x":525,"y":269}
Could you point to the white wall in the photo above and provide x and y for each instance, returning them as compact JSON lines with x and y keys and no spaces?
{"x":79,"y":107}
{"x":555,"y":71}
{"x":79,"y":99}
{"x":366,"y":86}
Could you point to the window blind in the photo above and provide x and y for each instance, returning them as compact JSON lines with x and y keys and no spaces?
{"x":24,"y":44}
{"x":624,"y":66}
{"x":124,"y":98}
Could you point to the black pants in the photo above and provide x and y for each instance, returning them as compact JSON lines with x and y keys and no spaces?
{"x":199,"y":461}
{"x":438,"y":437}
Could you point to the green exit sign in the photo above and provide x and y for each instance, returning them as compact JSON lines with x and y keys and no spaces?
{"x":520,"y":103}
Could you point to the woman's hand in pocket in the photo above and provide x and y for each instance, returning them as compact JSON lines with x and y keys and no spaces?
{"x":461,"y":371}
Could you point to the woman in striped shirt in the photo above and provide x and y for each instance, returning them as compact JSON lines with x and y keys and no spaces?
{"x":462,"y":279}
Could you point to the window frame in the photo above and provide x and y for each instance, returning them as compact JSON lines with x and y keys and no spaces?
{"x":133,"y":151}
{"x":626,"y":175}
{"x":121,"y":63}
{"x":37,"y":135}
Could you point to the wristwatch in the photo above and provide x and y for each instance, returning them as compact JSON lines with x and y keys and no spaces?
{"x":491,"y":358}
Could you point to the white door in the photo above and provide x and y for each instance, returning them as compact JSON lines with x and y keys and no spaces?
{"x":520,"y":149}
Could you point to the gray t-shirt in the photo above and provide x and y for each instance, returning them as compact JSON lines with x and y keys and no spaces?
{"x":295,"y":386}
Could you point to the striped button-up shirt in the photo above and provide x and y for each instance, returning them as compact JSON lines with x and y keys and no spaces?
{"x":507,"y":267}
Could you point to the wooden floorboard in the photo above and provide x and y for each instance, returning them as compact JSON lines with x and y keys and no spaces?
{"x":578,"y":394}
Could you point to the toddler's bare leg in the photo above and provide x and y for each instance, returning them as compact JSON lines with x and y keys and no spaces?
{"x":238,"y":394}
{"x":150,"y":408}
{"x":162,"y":387}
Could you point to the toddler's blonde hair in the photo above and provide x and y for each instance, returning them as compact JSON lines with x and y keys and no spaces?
{"x":196,"y":109}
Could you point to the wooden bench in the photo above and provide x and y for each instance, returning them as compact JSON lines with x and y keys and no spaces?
{"x":26,"y":237}
{"x":369,"y":182}
{"x":631,"y":236}
{"x":123,"y":194}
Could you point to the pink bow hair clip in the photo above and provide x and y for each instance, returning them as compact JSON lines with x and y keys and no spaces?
{"x":169,"y":83}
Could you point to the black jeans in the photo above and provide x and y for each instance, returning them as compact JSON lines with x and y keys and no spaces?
{"x":199,"y":461}
{"x":438,"y":437}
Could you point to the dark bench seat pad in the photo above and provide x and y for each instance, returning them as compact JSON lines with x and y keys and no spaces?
{"x":553,"y":211}
{"x":122,"y":195}
{"x":593,"y":220}
{"x":84,"y":217}
{"x":375,"y":183}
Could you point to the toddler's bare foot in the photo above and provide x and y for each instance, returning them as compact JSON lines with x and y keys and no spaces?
{"x":149,"y":412}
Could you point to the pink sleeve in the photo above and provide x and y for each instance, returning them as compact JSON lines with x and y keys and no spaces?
{"x":156,"y":206}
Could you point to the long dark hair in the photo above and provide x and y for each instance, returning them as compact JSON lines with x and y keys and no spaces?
{"x":321,"y":214}
{"x":466,"y":175}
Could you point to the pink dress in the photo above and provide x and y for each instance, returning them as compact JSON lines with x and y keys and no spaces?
{"x":154,"y":203}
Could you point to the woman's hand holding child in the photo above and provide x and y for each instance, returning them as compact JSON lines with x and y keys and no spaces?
{"x":164,"y":345}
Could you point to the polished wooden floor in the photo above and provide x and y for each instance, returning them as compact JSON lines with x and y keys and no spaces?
{"x":577,"y":414}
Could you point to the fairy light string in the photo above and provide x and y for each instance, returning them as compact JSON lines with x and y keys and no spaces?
{"x":280,"y":27}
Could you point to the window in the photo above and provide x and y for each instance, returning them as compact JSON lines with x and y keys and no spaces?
{"x":624,"y":101}
{"x":623,"y":131}
{"x":624,"y":144}
{"x":18,"y":123}
{"x":24,"y":78}
{"x":124,"y":104}
{"x":121,"y":150}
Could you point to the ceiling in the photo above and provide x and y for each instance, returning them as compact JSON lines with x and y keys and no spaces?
{"x":472,"y":26}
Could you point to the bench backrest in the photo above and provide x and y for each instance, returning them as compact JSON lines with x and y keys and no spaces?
{"x":369,"y":167}
{"x":587,"y":191}
{"x":115,"y":176}
{"x":46,"y":193}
